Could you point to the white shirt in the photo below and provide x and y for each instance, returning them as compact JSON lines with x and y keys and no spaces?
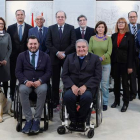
{"x":23,"y":26}
{"x":61,"y":28}
{"x":83,"y":29}
{"x":131,"y":25}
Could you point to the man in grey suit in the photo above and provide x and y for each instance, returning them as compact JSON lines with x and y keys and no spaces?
{"x":134,"y":27}
{"x":40,"y":32}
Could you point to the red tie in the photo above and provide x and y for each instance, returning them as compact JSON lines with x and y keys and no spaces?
{"x":83,"y":31}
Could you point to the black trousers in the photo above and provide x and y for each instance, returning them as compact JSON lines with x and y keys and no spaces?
{"x":56,"y":69}
{"x":5,"y":87}
{"x":13,"y":78}
{"x":120,"y":70}
{"x":85,"y":100}
{"x":139,"y":80}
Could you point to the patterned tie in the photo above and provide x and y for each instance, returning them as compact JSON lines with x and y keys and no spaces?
{"x":20,"y":32}
{"x":33,"y":59}
{"x":83,"y":34}
{"x":134,"y":31}
{"x":60,"y":32}
{"x":40,"y":36}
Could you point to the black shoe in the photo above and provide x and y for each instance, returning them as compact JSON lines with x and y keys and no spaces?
{"x":104,"y":107}
{"x":124,"y":107}
{"x":72,"y":126}
{"x":115,"y":104}
{"x":81,"y":126}
{"x":132,"y":97}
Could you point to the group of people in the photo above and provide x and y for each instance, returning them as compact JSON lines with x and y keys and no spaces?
{"x":87,"y":57}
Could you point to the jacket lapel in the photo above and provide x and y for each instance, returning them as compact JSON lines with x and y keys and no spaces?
{"x":64,"y":31}
{"x":76,"y":62}
{"x":25,"y":30}
{"x":36,"y":32}
{"x":39,"y":59}
{"x":86,"y":34}
{"x":16,"y":31}
{"x":86,"y":61}
{"x":27,"y":57}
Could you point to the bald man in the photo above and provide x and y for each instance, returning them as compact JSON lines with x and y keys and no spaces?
{"x":40,"y":32}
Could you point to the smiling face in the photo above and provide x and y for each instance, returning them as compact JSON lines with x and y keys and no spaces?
{"x":100,"y":29}
{"x":33,"y":45}
{"x":39,"y":21}
{"x":20,"y":16}
{"x":1,"y":25}
{"x":121,"y":25}
{"x":81,"y":48}
{"x":82,"y":22}
{"x":132,"y":17}
{"x":60,"y":18}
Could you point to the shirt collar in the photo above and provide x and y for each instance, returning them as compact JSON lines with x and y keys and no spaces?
{"x":61,"y":26}
{"x":83,"y":29}
{"x":20,"y":24}
{"x":40,"y":28}
{"x":82,"y":56}
{"x":37,"y":53}
{"x":131,"y":25}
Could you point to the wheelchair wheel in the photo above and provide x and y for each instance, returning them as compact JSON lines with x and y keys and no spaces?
{"x":61,"y":130}
{"x":46,"y":126}
{"x":90,"y":133}
{"x":99,"y":109}
{"x":18,"y":127}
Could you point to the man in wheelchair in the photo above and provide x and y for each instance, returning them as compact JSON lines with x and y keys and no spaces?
{"x":81,"y":76}
{"x":33,"y":70}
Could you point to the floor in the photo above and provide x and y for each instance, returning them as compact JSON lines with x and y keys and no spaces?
{"x":115,"y":126}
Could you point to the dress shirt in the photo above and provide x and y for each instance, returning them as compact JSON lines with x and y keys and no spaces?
{"x":23,"y":26}
{"x":83,"y":29}
{"x":131,"y":25}
{"x":36,"y":57}
{"x":61,"y":28}
{"x":40,"y":28}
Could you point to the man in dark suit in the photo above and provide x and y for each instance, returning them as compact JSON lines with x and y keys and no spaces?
{"x":19,"y":34}
{"x":83,"y":32}
{"x":60,"y":42}
{"x":33,"y":70}
{"x":134,"y":27}
{"x":40,"y":32}
{"x":80,"y":80}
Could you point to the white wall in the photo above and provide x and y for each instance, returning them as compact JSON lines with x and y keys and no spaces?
{"x":2,"y":8}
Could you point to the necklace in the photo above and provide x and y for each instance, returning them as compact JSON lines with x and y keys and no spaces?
{"x":100,"y":37}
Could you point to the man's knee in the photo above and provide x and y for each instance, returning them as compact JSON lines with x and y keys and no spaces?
{"x":24,"y":89}
{"x":87,"y":96}
{"x":42,"y":89}
{"x":69,"y":95}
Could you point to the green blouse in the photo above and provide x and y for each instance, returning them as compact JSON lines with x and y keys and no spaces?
{"x":101,"y":47}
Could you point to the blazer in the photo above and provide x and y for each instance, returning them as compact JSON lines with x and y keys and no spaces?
{"x":89,"y":32}
{"x":125,"y":52}
{"x":55,"y":44}
{"x":25,"y":71}
{"x":138,"y":27}
{"x":34,"y":31}
{"x":89,"y":74}
{"x":17,"y":45}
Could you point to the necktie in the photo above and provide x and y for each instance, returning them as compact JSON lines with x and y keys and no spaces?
{"x":40,"y":35}
{"x":134,"y":31}
{"x":83,"y":34}
{"x":33,"y":60}
{"x":20,"y":32}
{"x":60,"y":32}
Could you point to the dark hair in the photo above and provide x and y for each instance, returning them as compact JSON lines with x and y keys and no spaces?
{"x":99,"y":23}
{"x":4,"y":28}
{"x":32,"y":37}
{"x":81,"y":16}
{"x":60,"y":11}
{"x":20,"y":10}
{"x":131,"y":12}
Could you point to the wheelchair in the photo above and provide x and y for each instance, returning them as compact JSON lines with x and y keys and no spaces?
{"x":89,"y":129}
{"x":33,"y":98}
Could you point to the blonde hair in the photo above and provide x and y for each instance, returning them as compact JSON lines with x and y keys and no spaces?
{"x":126,"y":29}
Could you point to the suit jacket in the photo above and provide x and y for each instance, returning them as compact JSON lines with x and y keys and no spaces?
{"x":55,"y":44}
{"x":125,"y":52}
{"x":89,"y":32}
{"x":25,"y":71}
{"x":34,"y":31}
{"x":89,"y":74}
{"x":138,"y":27}
{"x":17,"y":45}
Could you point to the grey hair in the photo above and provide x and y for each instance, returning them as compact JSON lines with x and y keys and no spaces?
{"x":61,"y":11}
{"x":41,"y":16}
{"x":81,"y":40}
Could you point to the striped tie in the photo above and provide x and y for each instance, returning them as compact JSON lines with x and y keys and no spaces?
{"x":134,"y":31}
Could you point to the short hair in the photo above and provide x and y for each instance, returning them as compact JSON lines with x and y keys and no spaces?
{"x":4,"y":28}
{"x":131,"y":12}
{"x":126,"y":29}
{"x":60,"y":11}
{"x":81,"y":16}
{"x":99,"y":23}
{"x":19,"y":10}
{"x":81,"y":40}
{"x":41,"y":16}
{"x":32,"y":37}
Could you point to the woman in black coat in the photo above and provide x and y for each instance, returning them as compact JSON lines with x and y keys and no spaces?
{"x":5,"y":52}
{"x":121,"y":61}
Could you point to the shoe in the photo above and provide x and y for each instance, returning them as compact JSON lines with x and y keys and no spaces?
{"x":115,"y":104}
{"x":72,"y":126}
{"x":124,"y":108}
{"x":81,"y":126}
{"x":104,"y":107}
{"x":27,"y":127}
{"x":132,"y":97}
{"x":35,"y":127}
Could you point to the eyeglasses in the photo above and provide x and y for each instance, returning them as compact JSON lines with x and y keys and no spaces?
{"x":60,"y":17}
{"x":132,"y":17}
{"x":121,"y":22}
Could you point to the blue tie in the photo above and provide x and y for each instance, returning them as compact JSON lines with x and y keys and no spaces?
{"x":40,"y":35}
{"x":20,"y":32}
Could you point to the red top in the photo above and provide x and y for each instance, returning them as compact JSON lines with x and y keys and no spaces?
{"x":119,"y":39}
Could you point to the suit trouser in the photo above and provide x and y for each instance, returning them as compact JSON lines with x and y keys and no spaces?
{"x":56,"y":69}
{"x":13,"y":77}
{"x":120,"y":70}
{"x":85,"y":100}
{"x":24,"y":92}
{"x":139,"y":80}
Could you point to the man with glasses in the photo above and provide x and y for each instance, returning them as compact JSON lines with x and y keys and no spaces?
{"x":134,"y":27}
{"x":40,"y":32}
{"x":60,"y":42}
{"x":83,"y":32}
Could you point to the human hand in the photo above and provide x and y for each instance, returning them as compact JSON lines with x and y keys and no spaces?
{"x":4,"y":62}
{"x":37,"y":84}
{"x":61,"y":55}
{"x":75,"y":90}
{"x":103,"y":58}
{"x":29,"y":84}
{"x":82,"y":90}
{"x":130,"y":71}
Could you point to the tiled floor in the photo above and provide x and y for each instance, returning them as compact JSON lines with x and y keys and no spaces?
{"x":115,"y":126}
